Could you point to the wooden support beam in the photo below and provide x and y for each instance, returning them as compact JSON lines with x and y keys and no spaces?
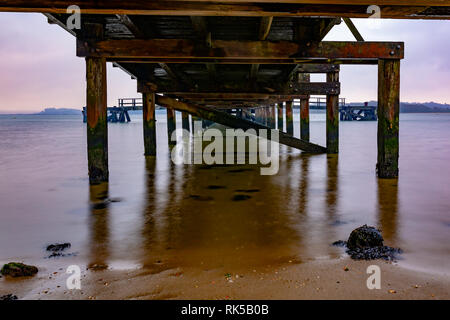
{"x":97,"y":123}
{"x":233,"y":49}
{"x":233,"y":90}
{"x":171,"y":124}
{"x":289,"y":118}
{"x":264,"y":29}
{"x":388,"y":118}
{"x":280,"y":115}
{"x":416,"y":9}
{"x":353,"y":29}
{"x":149,"y":123}
{"x":233,"y":122}
{"x":332,"y":121}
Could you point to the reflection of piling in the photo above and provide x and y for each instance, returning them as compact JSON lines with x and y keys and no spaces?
{"x":99,"y":225}
{"x":388,"y":208}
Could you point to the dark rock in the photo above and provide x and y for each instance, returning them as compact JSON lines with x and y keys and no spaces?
{"x":239,"y":170}
{"x":365,"y":237}
{"x":366,"y":243}
{"x":8,"y":297}
{"x":200,"y":197}
{"x":240,"y":197}
{"x":57,"y":247}
{"x":17,"y":269}
{"x":215,"y":187}
{"x":247,"y":190}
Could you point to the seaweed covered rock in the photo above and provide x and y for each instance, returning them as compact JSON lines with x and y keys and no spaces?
{"x":366,"y":243}
{"x":365,"y":237}
{"x":18,"y":269}
{"x":57,"y":247}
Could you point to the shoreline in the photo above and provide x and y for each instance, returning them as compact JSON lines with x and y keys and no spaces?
{"x":341,"y":278}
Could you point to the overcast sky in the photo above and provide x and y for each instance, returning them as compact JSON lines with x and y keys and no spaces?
{"x":39,"y":68}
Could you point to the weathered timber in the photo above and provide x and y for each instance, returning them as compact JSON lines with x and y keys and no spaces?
{"x":234,"y":49}
{"x":171,"y":125}
{"x":149,"y":123}
{"x":332,"y":117}
{"x":185,"y":121}
{"x":236,"y":88}
{"x":271,"y":116}
{"x":353,"y":29}
{"x":234,"y":122}
{"x":388,"y":118}
{"x":397,"y":9}
{"x":289,"y":118}
{"x":280,"y":115}
{"x":97,"y":124}
{"x":304,"y":119}
{"x":264,"y":29}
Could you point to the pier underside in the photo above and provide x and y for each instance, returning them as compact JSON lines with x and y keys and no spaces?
{"x":206,"y":57}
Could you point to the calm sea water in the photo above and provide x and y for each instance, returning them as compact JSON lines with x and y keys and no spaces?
{"x":164,"y":212}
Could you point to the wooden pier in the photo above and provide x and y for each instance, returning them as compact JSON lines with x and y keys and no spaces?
{"x":204,"y":57}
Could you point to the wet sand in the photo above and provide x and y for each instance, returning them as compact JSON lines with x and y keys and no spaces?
{"x":320,"y":279}
{"x":173,"y":231}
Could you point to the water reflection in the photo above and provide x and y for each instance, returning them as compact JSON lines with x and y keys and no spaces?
{"x":388,"y":208}
{"x":99,"y":226}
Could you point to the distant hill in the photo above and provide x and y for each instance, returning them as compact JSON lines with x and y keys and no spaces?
{"x":413,"y":107}
{"x":59,"y":112}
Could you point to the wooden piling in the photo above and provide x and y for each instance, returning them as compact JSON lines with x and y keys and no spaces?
{"x":304,"y":119}
{"x":171,"y":125}
{"x":97,"y":123}
{"x":289,"y":118}
{"x":185,"y":121}
{"x":272,"y":116}
{"x":149,"y":123}
{"x":388,"y":117}
{"x":280,"y":116}
{"x":332,"y":121}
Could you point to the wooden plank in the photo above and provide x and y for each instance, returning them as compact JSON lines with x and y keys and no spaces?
{"x":149,"y":123}
{"x":264,"y":29}
{"x":357,"y":9}
{"x":233,"y":122}
{"x":388,"y":118}
{"x":232,"y":49}
{"x":97,"y":123}
{"x":369,"y":61}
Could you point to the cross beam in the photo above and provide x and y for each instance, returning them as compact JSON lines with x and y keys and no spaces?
{"x":225,"y":119}
{"x":411,"y":9}
{"x":232,"y":49}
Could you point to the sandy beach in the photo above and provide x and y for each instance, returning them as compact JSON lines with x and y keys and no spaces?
{"x":320,"y":279}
